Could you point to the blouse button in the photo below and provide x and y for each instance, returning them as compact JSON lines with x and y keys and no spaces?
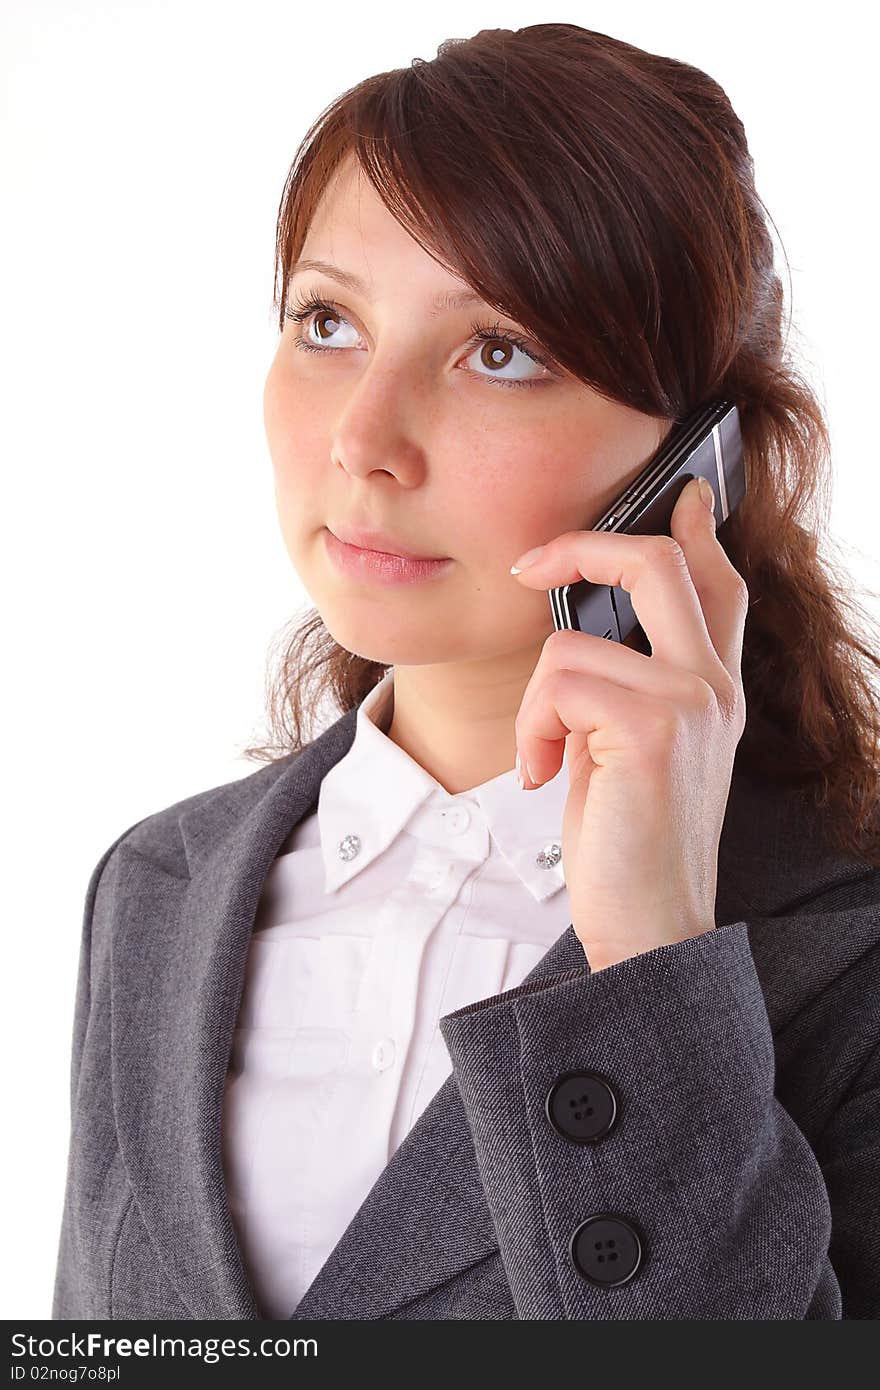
{"x":456,"y":819}
{"x":349,"y":847}
{"x":383,"y":1054}
{"x":548,"y":856}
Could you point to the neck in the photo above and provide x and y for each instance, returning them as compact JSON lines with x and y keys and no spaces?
{"x":458,"y":722}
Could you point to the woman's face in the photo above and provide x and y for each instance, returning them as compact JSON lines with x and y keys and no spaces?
{"x":397,"y":422}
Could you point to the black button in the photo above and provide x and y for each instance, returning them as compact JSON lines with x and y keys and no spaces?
{"x":581,"y":1106}
{"x":606,"y":1249}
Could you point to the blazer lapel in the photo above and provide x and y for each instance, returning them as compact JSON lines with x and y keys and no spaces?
{"x":180,"y":942}
{"x":181,"y":937}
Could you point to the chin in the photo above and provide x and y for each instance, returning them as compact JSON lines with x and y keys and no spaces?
{"x":385,"y":639}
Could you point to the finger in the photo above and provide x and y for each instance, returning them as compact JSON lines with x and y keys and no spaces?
{"x":612,"y":661}
{"x":720,"y":588}
{"x":610,"y":718}
{"x":654,"y":571}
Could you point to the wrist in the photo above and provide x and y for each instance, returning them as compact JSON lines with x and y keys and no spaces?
{"x":601,"y":955}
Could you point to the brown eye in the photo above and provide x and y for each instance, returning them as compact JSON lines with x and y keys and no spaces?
{"x":493,"y":354}
{"x":321,"y":318}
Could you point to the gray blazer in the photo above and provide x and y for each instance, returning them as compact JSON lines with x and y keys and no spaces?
{"x":691,"y":1133}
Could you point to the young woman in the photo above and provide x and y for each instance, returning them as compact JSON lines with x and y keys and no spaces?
{"x":381,"y":1030}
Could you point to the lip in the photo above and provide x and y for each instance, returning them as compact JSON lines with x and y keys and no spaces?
{"x":377,"y":541}
{"x":381,"y":566}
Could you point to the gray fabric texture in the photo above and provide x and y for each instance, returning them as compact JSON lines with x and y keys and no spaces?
{"x":745,"y":1062}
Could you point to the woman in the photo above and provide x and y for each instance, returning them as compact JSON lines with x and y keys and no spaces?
{"x":376,"y":1032}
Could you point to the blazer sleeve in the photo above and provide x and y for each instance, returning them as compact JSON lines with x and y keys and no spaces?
{"x":66,"y":1297}
{"x":701,"y":1190}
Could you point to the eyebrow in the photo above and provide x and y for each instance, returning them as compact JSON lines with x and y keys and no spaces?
{"x":444,"y":300}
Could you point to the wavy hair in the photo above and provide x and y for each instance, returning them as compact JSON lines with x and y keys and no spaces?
{"x":604,"y":197}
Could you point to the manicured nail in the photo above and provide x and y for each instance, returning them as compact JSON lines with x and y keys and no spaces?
{"x":706,"y":494}
{"x":519,"y":773}
{"x":528,"y":558}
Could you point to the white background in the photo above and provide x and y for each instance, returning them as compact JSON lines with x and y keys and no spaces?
{"x":145,"y":147}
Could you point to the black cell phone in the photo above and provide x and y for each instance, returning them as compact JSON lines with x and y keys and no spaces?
{"x":708,"y":444}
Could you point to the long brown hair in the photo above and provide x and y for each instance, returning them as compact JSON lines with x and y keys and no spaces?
{"x":604,"y":197}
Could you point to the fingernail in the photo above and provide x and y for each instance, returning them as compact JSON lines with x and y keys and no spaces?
{"x":528,"y":558}
{"x":519,"y":773}
{"x":706,"y":494}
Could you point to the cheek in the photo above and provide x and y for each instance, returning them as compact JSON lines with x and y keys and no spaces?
{"x":517,"y":494}
{"x":276,"y":410}
{"x":288,"y":421}
{"x":285,"y":403}
{"x":554,"y":488}
{"x":272,"y":393}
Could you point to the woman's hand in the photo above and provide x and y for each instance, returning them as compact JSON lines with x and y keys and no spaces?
{"x":649,"y":740}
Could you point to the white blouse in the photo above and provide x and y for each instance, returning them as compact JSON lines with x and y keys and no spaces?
{"x":392,"y":904}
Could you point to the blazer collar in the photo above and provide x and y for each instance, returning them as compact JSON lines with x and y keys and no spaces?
{"x":182,"y":927}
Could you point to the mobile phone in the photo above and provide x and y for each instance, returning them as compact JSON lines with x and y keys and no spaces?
{"x":708,"y":444}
